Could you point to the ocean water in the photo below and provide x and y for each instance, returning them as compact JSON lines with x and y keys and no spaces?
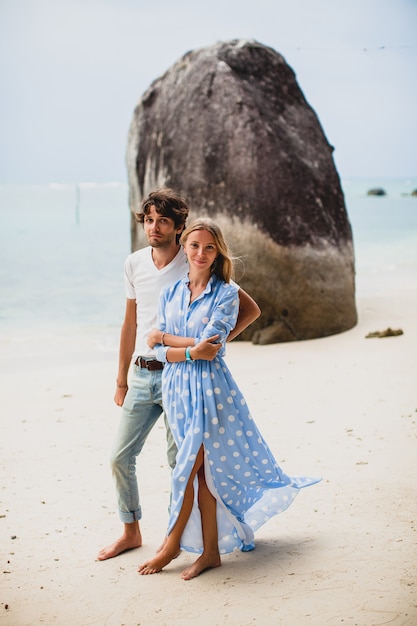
{"x":384,"y":235}
{"x":62,"y":248}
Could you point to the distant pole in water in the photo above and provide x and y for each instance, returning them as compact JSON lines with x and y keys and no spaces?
{"x":77,"y":204}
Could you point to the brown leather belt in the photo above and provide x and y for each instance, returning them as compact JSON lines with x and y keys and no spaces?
{"x":149,"y":364}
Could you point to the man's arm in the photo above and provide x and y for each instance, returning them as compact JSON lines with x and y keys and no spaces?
{"x":248,"y":313}
{"x":127,"y":347}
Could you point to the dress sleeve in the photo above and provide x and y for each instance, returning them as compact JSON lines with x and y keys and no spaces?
{"x":224,"y":315}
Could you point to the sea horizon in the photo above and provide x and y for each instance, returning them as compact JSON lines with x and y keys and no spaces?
{"x":63,"y":245}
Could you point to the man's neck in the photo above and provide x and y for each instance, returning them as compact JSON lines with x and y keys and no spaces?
{"x":163,"y":256}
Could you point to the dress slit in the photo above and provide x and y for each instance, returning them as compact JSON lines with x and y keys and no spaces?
{"x":206,"y":408}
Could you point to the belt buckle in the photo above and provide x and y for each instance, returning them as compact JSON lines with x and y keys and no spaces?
{"x":148,"y":363}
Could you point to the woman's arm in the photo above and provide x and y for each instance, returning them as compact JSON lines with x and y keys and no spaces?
{"x":206,"y":345}
{"x":166,"y":339}
{"x":248,"y":313}
{"x":206,"y":349}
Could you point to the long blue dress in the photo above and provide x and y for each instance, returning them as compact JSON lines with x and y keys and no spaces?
{"x":205,"y":407}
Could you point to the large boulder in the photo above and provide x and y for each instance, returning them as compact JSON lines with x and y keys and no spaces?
{"x":229,"y":127}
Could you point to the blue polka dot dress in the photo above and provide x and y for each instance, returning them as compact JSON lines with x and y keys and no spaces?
{"x":205,"y":407}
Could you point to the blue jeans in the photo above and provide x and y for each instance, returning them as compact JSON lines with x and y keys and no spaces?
{"x":141,"y":409}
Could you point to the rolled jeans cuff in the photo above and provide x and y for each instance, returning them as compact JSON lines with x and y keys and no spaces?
{"x":130,"y":516}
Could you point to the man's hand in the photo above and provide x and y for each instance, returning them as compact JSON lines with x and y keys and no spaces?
{"x":119,"y":396}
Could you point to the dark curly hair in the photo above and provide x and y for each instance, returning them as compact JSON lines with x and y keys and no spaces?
{"x":167,"y":202}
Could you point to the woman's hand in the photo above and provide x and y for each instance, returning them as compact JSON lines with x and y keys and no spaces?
{"x":154,"y":337}
{"x":207,"y":349}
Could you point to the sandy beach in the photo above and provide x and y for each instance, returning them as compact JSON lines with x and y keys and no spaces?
{"x":342,"y":407}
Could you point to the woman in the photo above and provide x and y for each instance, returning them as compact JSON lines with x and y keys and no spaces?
{"x":226,"y":482}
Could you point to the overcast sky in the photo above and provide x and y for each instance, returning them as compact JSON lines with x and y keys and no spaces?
{"x":72,"y":71}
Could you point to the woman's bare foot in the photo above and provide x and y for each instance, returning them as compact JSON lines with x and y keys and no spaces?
{"x":130,"y":539}
{"x":162,"y":546}
{"x":162,"y":558}
{"x":203,"y":563}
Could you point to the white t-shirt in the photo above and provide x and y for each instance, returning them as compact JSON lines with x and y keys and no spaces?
{"x":144,"y":283}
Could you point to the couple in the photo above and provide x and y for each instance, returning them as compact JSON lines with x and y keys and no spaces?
{"x":225,"y":481}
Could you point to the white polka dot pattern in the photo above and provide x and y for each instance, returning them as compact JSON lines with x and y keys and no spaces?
{"x":205,"y":407}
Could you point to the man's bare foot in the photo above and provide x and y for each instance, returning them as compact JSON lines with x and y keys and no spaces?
{"x":203,"y":563}
{"x":162,"y":558}
{"x":130,"y":539}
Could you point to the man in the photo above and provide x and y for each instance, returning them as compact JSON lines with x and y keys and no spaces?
{"x":147,"y":272}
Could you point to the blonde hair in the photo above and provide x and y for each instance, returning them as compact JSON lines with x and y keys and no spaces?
{"x":223,"y":265}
